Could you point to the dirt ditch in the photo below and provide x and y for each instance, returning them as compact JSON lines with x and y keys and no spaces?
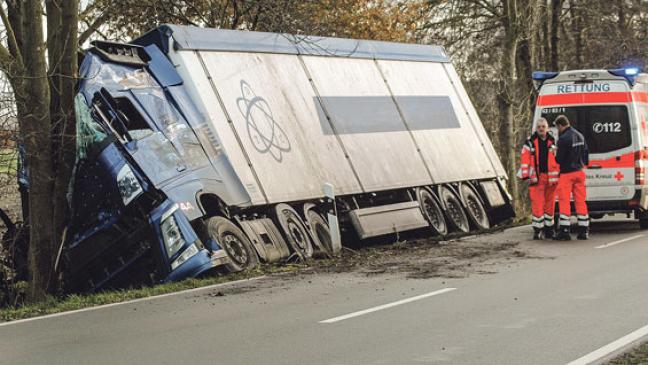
{"x":423,"y":258}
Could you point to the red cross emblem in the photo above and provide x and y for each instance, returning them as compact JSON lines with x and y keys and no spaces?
{"x":618,"y":176}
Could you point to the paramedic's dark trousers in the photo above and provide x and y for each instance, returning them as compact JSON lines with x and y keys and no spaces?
{"x":572,"y":183}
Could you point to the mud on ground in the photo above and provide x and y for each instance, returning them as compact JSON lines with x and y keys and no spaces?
{"x":422,"y":258}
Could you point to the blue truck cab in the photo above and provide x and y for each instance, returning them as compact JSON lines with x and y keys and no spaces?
{"x":139,"y":164}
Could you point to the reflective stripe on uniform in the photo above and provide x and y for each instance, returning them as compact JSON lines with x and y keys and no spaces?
{"x":564,"y":220}
{"x":537,"y":222}
{"x":583,"y":220}
{"x":548,"y":220}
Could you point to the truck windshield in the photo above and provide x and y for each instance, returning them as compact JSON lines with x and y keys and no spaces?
{"x":90,"y":135}
{"x":606,"y":127}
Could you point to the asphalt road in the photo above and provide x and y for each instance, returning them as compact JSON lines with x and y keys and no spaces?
{"x":561,"y":302}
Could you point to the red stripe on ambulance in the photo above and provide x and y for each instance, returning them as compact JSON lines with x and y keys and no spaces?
{"x":584,"y":98}
{"x":625,"y":160}
{"x":592,"y":98}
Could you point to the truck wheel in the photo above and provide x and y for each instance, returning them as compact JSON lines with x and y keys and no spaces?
{"x":294,"y":230}
{"x":432,"y":211}
{"x":454,"y":210}
{"x":474,"y":207}
{"x":321,"y":233}
{"x":235,"y":243}
{"x":643,"y":223}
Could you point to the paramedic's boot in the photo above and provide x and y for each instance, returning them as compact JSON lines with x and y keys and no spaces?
{"x":536,"y":233}
{"x":583,"y":233}
{"x":563,"y":234}
{"x":548,"y":232}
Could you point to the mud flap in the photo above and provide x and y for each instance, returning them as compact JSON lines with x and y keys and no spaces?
{"x":266,"y":239}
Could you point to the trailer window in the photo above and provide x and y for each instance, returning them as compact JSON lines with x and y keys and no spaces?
{"x":606,"y":128}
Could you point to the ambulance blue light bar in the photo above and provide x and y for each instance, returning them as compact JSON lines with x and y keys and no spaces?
{"x":543,"y":75}
{"x":629,"y":73}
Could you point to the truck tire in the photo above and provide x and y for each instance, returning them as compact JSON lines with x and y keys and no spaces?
{"x":432,"y":211}
{"x":294,"y":230}
{"x":454,"y":210}
{"x":320,"y":232}
{"x":474,"y":207}
{"x":234,"y":242}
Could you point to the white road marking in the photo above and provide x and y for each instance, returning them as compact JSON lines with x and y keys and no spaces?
{"x":611,"y":347}
{"x":3,"y":324}
{"x":619,"y":241}
{"x":385,"y":306}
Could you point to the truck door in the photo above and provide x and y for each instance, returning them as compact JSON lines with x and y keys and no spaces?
{"x":608,"y":132}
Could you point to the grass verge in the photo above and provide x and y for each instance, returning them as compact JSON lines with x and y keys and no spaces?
{"x":638,"y":355}
{"x":71,"y":302}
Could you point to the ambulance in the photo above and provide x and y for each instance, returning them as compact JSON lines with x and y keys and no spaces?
{"x":610,"y":108}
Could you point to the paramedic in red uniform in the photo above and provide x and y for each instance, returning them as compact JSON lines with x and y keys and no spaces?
{"x":538,"y":165}
{"x":573,"y":156}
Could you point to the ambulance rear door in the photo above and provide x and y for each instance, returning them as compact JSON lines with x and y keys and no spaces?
{"x":602,"y":111}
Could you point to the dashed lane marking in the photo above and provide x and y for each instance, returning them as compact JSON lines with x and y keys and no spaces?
{"x":619,"y":241}
{"x":385,"y":306}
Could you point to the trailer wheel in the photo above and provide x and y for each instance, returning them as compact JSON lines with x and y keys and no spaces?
{"x":474,"y":207}
{"x":454,"y":210}
{"x":320,"y":231}
{"x":294,"y":230}
{"x":432,"y":211}
{"x":235,"y":243}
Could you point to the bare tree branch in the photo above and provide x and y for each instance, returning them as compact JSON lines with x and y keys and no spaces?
{"x":11,"y":38}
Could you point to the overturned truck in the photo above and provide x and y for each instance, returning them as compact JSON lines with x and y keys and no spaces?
{"x":201,"y":149}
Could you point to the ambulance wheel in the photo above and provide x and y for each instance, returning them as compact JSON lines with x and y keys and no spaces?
{"x":454,"y":210}
{"x":320,"y":231}
{"x":294,"y":230}
{"x":643,"y":223}
{"x":234,"y":242}
{"x":432,"y":211}
{"x":474,"y":207}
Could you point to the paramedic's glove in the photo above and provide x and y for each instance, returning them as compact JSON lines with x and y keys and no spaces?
{"x":553,"y":149}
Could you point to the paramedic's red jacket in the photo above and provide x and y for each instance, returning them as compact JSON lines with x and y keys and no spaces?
{"x":529,"y":160}
{"x":572,"y":154}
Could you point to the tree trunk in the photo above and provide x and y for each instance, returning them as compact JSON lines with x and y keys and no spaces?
{"x":556,"y":6}
{"x":34,"y":116}
{"x":577,"y":31}
{"x":64,"y":77}
{"x":546,"y":37}
{"x":505,"y":94}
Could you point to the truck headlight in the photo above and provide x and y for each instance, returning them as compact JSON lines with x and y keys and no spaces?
{"x":129,"y":187}
{"x":190,"y":252}
{"x":172,"y":235}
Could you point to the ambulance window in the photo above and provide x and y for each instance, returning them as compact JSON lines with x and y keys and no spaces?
{"x":606,"y":128}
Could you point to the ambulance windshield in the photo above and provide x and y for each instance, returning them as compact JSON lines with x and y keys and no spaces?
{"x":606,"y":127}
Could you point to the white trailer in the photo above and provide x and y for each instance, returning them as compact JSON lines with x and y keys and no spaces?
{"x":388,"y":126}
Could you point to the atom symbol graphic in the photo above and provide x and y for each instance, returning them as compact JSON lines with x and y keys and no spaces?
{"x":266,"y":135}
